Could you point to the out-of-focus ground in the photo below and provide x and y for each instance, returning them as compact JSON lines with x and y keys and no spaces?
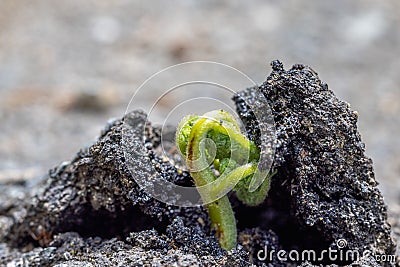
{"x":66,"y":67}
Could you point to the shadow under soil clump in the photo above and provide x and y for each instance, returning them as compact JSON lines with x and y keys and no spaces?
{"x":90,"y":211}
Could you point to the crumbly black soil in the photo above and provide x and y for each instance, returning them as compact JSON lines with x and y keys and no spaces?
{"x":324,"y":180}
{"x":91,"y":212}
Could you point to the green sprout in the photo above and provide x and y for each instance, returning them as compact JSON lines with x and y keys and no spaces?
{"x":220,"y":158}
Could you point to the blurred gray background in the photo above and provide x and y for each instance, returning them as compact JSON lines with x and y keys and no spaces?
{"x":66,"y":67}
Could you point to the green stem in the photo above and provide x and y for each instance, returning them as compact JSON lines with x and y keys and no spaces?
{"x":220,"y":211}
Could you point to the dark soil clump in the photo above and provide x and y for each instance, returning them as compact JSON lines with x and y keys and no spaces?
{"x":91,"y":212}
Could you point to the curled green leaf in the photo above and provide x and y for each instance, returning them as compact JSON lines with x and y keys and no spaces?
{"x":220,"y":159}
